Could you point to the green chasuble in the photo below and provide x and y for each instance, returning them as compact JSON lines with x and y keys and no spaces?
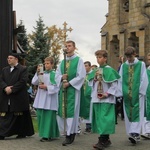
{"x":130,"y":87}
{"x":147,"y":109}
{"x":71,"y":67}
{"x":86,"y":96}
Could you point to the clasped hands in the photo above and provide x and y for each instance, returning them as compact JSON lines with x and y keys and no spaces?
{"x":8,"y":90}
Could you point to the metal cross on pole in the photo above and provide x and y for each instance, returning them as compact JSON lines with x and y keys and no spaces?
{"x":64,"y":30}
{"x":64,"y":34}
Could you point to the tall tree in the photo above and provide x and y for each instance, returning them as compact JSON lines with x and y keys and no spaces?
{"x":56,"y":43}
{"x":38,"y":46}
{"x":22,"y":37}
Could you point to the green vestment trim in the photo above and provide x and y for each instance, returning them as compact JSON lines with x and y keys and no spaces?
{"x":52,"y":76}
{"x":130,"y":87}
{"x":71,"y":67}
{"x":109,"y":74}
{"x":86,"y":96}
{"x":147,"y":109}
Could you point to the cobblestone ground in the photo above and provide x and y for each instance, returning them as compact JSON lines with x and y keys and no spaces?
{"x":82,"y":142}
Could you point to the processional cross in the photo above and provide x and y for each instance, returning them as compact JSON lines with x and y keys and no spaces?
{"x":64,"y":35}
{"x":65,"y":30}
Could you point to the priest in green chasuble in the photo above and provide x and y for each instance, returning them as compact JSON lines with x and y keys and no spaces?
{"x":103,"y":100}
{"x":133,"y":83}
{"x":70,"y":81}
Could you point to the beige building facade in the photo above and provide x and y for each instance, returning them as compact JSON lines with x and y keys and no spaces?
{"x":127,"y":24}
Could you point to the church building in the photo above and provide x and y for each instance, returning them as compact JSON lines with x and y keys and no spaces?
{"x":127,"y":24}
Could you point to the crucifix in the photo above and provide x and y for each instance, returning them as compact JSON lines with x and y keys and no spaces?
{"x":64,"y":101}
{"x":64,"y":31}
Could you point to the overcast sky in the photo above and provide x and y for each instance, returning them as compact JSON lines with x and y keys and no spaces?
{"x":85,"y":17}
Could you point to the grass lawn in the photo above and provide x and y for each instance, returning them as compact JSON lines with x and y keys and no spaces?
{"x":35,"y":125}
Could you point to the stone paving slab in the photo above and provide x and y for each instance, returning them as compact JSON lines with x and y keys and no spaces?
{"x":82,"y":142}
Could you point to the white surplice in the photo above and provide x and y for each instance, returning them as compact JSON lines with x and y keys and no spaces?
{"x":46,"y":99}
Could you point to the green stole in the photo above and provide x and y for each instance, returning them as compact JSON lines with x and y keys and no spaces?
{"x":86,"y":96}
{"x":147,"y":109}
{"x":130,"y":87}
{"x":71,"y":67}
{"x":109,"y":74}
{"x":52,"y":76}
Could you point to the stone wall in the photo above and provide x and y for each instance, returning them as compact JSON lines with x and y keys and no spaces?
{"x":127,"y":23}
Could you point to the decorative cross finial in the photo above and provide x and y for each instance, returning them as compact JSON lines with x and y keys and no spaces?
{"x":64,"y":30}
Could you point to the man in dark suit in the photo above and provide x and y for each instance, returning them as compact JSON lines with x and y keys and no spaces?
{"x":15,"y":117}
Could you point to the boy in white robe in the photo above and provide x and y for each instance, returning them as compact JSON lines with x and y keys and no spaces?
{"x":46,"y":101}
{"x":70,"y":81}
{"x":103,"y":100}
{"x":133,"y":84}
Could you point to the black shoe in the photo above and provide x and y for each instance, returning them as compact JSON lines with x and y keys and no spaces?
{"x":87,"y":130}
{"x":72,"y":137}
{"x":45,"y":139}
{"x":134,"y":138}
{"x":107,"y":143}
{"x":99,"y":145}
{"x":20,"y":136}
{"x":2,"y":137}
{"x":67,"y":141}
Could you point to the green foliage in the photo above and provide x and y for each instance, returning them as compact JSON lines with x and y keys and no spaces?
{"x":41,"y":43}
{"x":22,"y":37}
{"x":38,"y":47}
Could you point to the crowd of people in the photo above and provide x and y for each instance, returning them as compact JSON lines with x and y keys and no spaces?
{"x":77,"y":91}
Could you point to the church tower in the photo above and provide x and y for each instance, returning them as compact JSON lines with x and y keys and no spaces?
{"x":127,"y":24}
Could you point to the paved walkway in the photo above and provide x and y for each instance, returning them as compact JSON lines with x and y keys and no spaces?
{"x":82,"y":142}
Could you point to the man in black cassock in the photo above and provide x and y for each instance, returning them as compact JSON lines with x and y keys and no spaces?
{"x":15,"y":118}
